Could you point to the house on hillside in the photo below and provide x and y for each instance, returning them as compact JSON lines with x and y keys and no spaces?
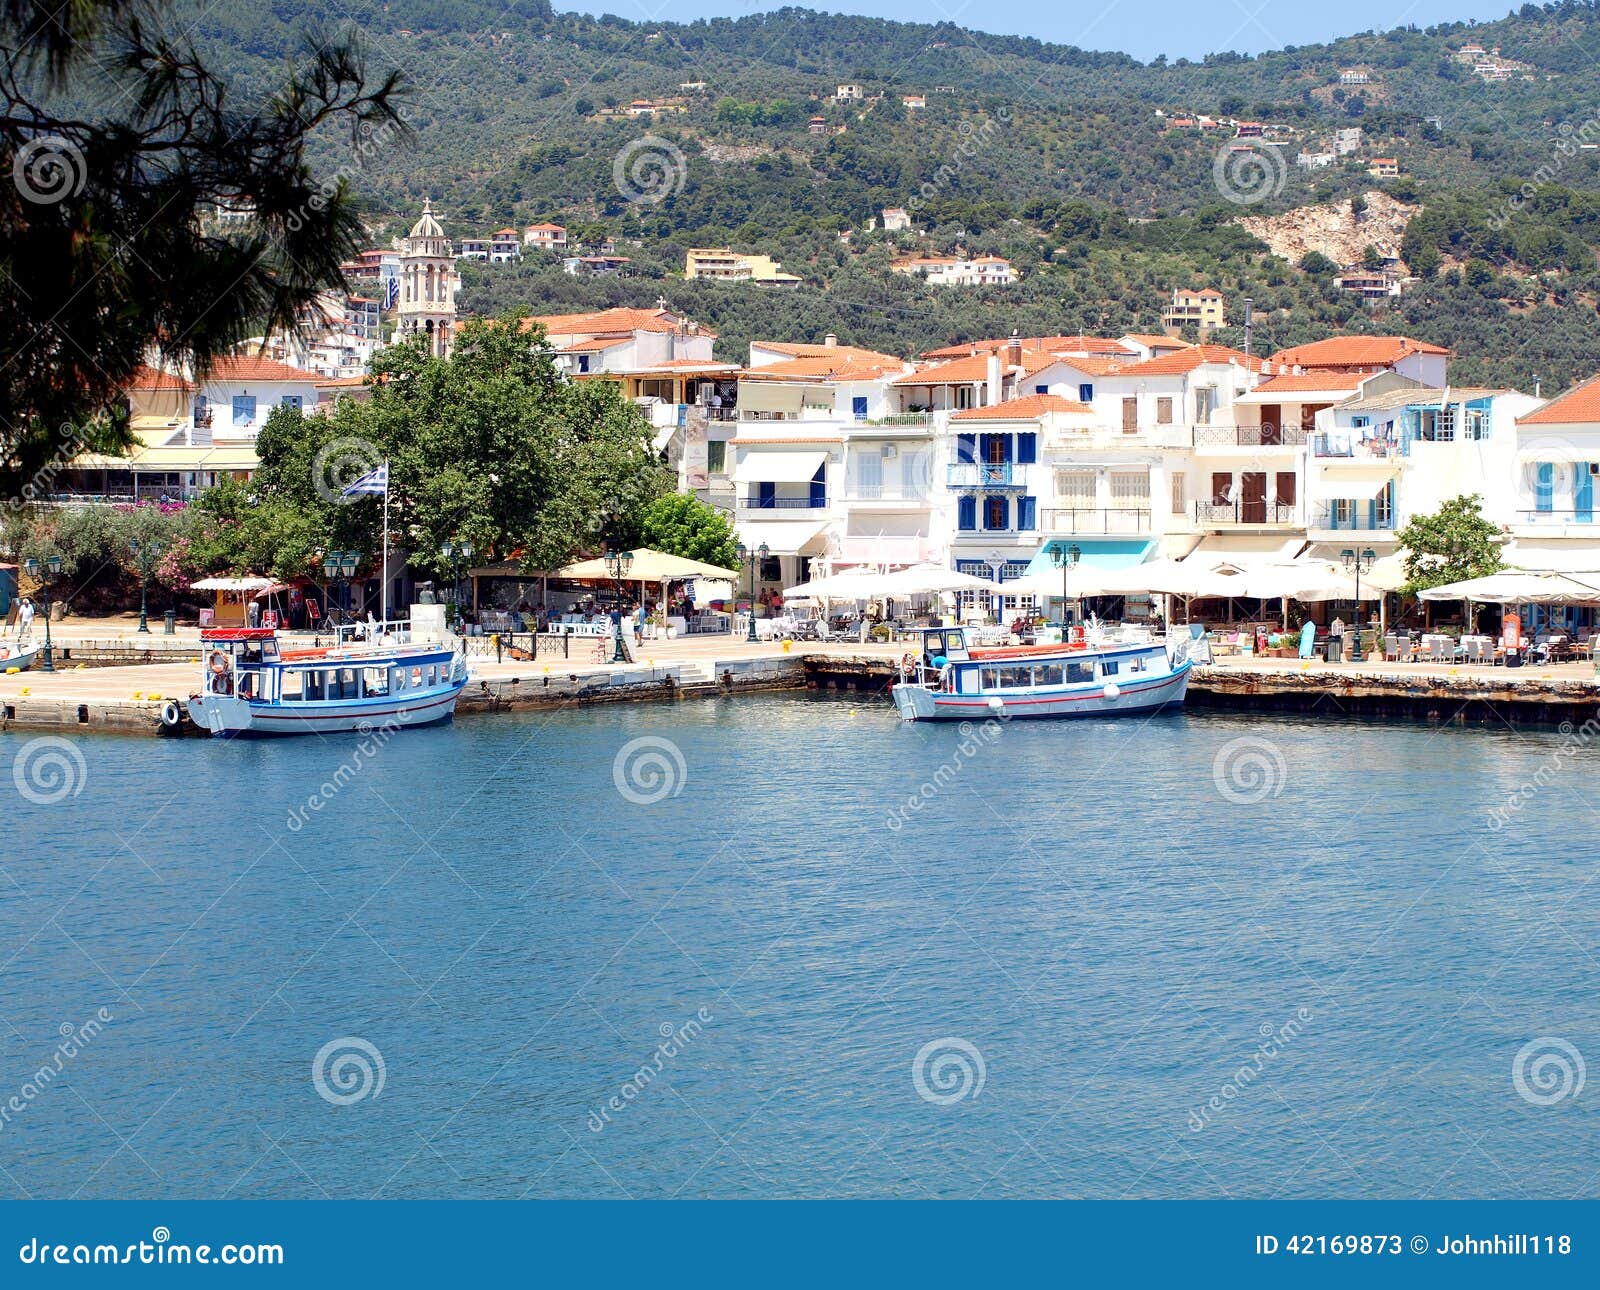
{"x":1202,"y":309}
{"x":545,"y":237}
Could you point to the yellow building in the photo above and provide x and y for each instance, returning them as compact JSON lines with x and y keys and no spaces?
{"x":723,"y":265}
{"x":1202,"y":309}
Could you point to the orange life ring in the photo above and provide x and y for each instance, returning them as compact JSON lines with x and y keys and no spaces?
{"x":218,"y":663}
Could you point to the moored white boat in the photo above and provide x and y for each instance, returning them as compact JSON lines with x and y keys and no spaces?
{"x":947,"y":681}
{"x":251,"y":686}
{"x":18,"y":657}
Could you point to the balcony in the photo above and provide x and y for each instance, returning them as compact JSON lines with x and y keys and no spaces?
{"x":1096,"y":520}
{"x":1537,"y":516}
{"x":1354,"y":517}
{"x":1244,"y":513}
{"x":908,"y":494}
{"x":975,"y":474}
{"x":1345,"y":448}
{"x":783,"y":503}
{"x":1249,"y":437}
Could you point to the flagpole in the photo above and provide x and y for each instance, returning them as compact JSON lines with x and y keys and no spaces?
{"x":384,"y":602}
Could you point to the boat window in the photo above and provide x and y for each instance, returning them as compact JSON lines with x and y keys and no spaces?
{"x":1137,"y":663}
{"x":969,"y":680}
{"x":291,"y":685}
{"x":431,"y":677}
{"x":269,"y":650}
{"x":1049,"y":674}
{"x":399,"y":678}
{"x":1108,"y":667}
{"x":933,"y":644}
{"x":375,"y":681}
{"x":991,"y":678}
{"x":349,"y":684}
{"x":1016,"y":678}
{"x":1079,"y":671}
{"x":416,"y":677}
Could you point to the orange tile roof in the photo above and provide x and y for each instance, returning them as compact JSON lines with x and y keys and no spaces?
{"x":594,"y":346}
{"x":1355,"y":351}
{"x":1054,"y":344}
{"x":827,"y":367}
{"x":248,"y":367}
{"x":1186,"y":360}
{"x":824,"y":351}
{"x":1027,"y":407}
{"x":974,"y":367}
{"x":1326,"y":380}
{"x":150,"y":378}
{"x":545,"y":228}
{"x":1156,"y":342}
{"x":1578,"y":406}
{"x":615,"y":320}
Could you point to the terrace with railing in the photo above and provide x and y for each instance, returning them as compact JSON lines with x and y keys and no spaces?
{"x":1095,"y":519}
{"x":1245,"y":513}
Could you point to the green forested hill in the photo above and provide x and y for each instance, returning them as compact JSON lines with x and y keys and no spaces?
{"x":1054,"y":156}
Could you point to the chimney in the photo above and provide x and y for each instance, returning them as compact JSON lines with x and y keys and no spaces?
{"x":1014,"y":351}
{"x":995,"y":377}
{"x":830,"y":340}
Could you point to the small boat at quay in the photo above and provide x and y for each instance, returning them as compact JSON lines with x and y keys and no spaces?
{"x":1079,"y":677}
{"x":251,"y":685}
{"x":18,"y":657}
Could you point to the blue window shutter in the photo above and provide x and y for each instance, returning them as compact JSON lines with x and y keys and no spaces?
{"x":1583,"y":491}
{"x":1544,"y":484}
{"x":967,"y":447}
{"x":1027,"y":448}
{"x":766,"y":495}
{"x":1041,"y":389}
{"x":1006,"y":450}
{"x":967,"y":514}
{"x":1086,"y":394}
{"x":819,"y":487}
{"x":1026,"y":508}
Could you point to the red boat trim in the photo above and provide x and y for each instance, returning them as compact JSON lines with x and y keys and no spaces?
{"x":343,"y":716}
{"x":940,"y":701}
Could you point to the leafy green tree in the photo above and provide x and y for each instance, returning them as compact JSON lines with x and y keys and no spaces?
{"x":1317,"y":264}
{"x":683,"y":525}
{"x":1453,"y":543}
{"x":122,"y":144}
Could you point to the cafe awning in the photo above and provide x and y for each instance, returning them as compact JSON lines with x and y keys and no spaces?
{"x":1093,"y":553}
{"x":779,"y":467}
{"x":803,"y":538}
{"x":1240,"y":549}
{"x":647,"y":566}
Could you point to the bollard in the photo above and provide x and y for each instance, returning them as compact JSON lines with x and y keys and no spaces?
{"x":169,"y":623}
{"x":497,"y":651}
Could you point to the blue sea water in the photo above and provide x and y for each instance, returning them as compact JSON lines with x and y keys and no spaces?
{"x":787,"y":946}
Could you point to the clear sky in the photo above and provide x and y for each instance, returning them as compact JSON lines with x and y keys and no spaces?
{"x":1143,"y":28}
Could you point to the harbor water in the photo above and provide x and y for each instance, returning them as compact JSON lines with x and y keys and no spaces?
{"x":788,"y":946}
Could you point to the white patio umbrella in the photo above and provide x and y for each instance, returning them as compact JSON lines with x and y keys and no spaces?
{"x":930,"y":579}
{"x":1175,"y":577}
{"x":1522,"y":587}
{"x":1304,"y":580}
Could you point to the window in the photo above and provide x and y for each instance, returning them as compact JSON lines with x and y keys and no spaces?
{"x":1360,"y":423}
{"x":1439,"y":424}
{"x":1108,"y":667}
{"x":1049,"y":674}
{"x":858,"y":407}
{"x":1164,"y":410}
{"x":292,"y":401}
{"x":717,"y":457}
{"x":375,"y":681}
{"x":1180,"y":500}
{"x":1205,"y":403}
{"x":291,"y":686}
{"x":1086,"y":393}
{"x":989,"y":678}
{"x":1544,"y":484}
{"x":1075,"y":489}
{"x":1027,"y":513}
{"x":1476,"y":427}
{"x":1079,"y":672}
{"x":967,"y":514}
{"x":244,"y":409}
{"x":996,"y":513}
{"x":966,"y":447}
{"x":1016,"y":678}
{"x":1130,"y":415}
{"x":1041,"y":389}
{"x":583,"y":362}
{"x":1130,"y":490}
{"x":1027,"y":448}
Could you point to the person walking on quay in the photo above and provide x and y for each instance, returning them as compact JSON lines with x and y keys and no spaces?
{"x":25,"y":618}
{"x":253,"y":612}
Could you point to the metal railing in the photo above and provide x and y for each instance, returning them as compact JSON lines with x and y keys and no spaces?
{"x":783,"y":503}
{"x":978,"y":474}
{"x":1244,"y":512}
{"x":1537,"y":516}
{"x":1345,"y":446}
{"x":1249,"y":436}
{"x":1360,"y":517}
{"x":1096,"y":519}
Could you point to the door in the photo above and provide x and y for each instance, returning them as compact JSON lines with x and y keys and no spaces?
{"x":1253,"y":497}
{"x":1286,"y":487}
{"x":1130,"y":416}
{"x":1222,"y":493}
{"x":1271,"y":424}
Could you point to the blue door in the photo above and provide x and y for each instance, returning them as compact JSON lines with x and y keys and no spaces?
{"x":1582,"y":492}
{"x":766,"y":496}
{"x":1544,"y":487}
{"x":819,"y":488}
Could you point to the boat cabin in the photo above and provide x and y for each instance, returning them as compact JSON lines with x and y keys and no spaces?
{"x":941,"y":645}
{"x":246,"y":661}
{"x":237,"y":659}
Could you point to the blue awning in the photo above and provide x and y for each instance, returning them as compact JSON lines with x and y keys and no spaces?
{"x":1098,"y":553}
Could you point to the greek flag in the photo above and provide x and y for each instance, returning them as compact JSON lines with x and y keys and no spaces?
{"x":372,"y":484}
{"x":391,"y":293}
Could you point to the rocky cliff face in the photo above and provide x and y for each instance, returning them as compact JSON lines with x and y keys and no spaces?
{"x":1335,"y":230}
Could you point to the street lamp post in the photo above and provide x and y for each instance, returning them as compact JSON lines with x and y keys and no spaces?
{"x":145,"y":555}
{"x":1066,"y":559}
{"x":755,"y":557}
{"x":46,"y":574}
{"x":618,"y":565}
{"x":1357,"y":562}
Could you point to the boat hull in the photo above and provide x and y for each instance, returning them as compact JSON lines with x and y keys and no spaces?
{"x":227,"y":716}
{"x":920,"y":703}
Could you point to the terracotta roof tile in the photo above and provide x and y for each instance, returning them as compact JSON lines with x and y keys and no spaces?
{"x":974,"y":367}
{"x":150,"y":378}
{"x":1027,"y":407}
{"x":247,"y":367}
{"x":1355,"y":351}
{"x":1186,"y":360}
{"x":1578,"y":406}
{"x":1329,"y":380}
